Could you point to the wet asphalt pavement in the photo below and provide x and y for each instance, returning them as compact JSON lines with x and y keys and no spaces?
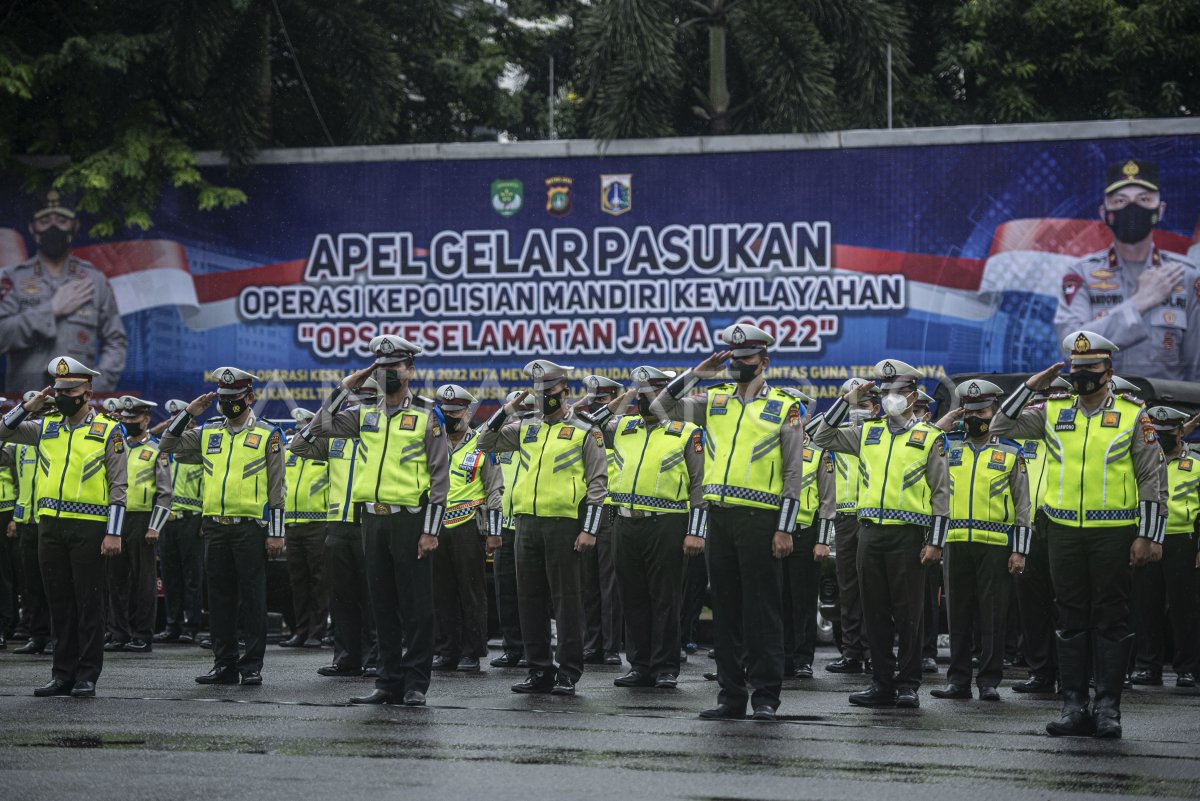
{"x":154,"y":734}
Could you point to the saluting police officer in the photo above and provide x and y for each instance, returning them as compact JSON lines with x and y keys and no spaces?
{"x":661,"y":519}
{"x":754,"y":447}
{"x":355,"y":649}
{"x":9,"y":556}
{"x":305,"y":511}
{"x":403,"y":481}
{"x":504,"y":559}
{"x":243,"y":501}
{"x":24,"y":529}
{"x":133,"y":573}
{"x":81,"y":507}
{"x":903,"y":514}
{"x":558,"y":500}
{"x":988,"y":540}
{"x":1102,"y":501}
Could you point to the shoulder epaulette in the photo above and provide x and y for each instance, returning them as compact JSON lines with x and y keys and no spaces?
{"x":423,"y":402}
{"x":722,"y":387}
{"x":1060,"y":396}
{"x":1131,"y":399}
{"x":791,"y":392}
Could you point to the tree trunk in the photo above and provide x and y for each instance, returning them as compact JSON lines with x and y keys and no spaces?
{"x":718,"y":84}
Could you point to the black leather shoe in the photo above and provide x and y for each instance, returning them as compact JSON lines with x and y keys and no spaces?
{"x":763,"y":712}
{"x":186,"y":638}
{"x":634,"y":678}
{"x":371,"y":672}
{"x":508,"y":659}
{"x":802,"y":672}
{"x":666,"y":681}
{"x":167,"y":636}
{"x":1034,"y":684}
{"x":375,"y":697}
{"x":1149,"y":677}
{"x":50,"y":646}
{"x":327,"y":640}
{"x":444,"y":663}
{"x":613,"y":660}
{"x":219,"y":676}
{"x":339,"y":670}
{"x":52,"y":688}
{"x":84,"y":689}
{"x":874,"y":696}
{"x":138,"y":646}
{"x":251,"y":679}
{"x":591,"y":657}
{"x":536,"y":682}
{"x":562,"y":686}
{"x":38,"y":647}
{"x":710,"y":676}
{"x":312,"y":642}
{"x":468,"y":664}
{"x":113,"y":645}
{"x":844,"y":665}
{"x":955,"y":691}
{"x":206,"y":643}
{"x":908,"y":699}
{"x":929,"y":665}
{"x":989,"y":694}
{"x":724,"y":712}
{"x":1184,"y":679}
{"x":295,"y":641}
{"x":414,"y":698}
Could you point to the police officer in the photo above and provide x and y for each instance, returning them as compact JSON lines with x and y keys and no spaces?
{"x":9,"y":558}
{"x":133,"y":573}
{"x":355,"y":649}
{"x":180,"y":549}
{"x":403,"y":481}
{"x":81,"y":506}
{"x":504,"y":563}
{"x":754,"y":446}
{"x":472,"y":527}
{"x":931,"y":615}
{"x":243,"y":503}
{"x":558,"y":500}
{"x":1171,"y":582}
{"x":56,"y":303}
{"x":305,"y":512}
{"x":855,"y":653}
{"x":658,"y":496}
{"x":1144,"y":300}
{"x":601,"y":600}
{"x":989,"y":537}
{"x":903,"y":514}
{"x":1103,"y":515}
{"x":24,"y":529}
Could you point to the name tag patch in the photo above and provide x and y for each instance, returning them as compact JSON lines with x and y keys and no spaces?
{"x":719,"y":404}
{"x":214,"y":444}
{"x":370,"y":422}
{"x":1029,"y":449}
{"x":631,"y":426}
{"x":956,"y":457}
{"x":51,"y":431}
{"x":1066,"y":420}
{"x":336,"y":448}
{"x":873,"y":435}
{"x":773,"y":411}
{"x":531,"y":433}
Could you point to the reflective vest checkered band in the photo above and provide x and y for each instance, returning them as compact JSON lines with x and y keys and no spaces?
{"x":847,"y":506}
{"x":627,"y":498}
{"x":1110,"y":514}
{"x":292,"y":517}
{"x":183,"y":500}
{"x":742,"y":493}
{"x":6,"y":505}
{"x":1061,"y":514}
{"x":915,"y":518}
{"x":462,"y":512}
{"x":981,"y":525}
{"x":72,"y":507}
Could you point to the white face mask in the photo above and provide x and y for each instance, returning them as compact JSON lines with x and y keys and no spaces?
{"x":859,"y":416}
{"x":895,"y":405}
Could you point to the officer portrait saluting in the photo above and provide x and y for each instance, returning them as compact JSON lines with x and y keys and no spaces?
{"x":403,"y":481}
{"x":1102,"y":501}
{"x":80,"y":509}
{"x":243,"y":507}
{"x":754,"y":457}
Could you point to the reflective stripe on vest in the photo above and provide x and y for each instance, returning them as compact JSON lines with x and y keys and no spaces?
{"x":186,"y":481}
{"x":1090,"y":479}
{"x":306,"y":490}
{"x":1034,"y":453}
{"x":652,"y":473}
{"x":551,"y":482}
{"x":892,"y":487}
{"x":343,"y":456}
{"x":1183,"y":500}
{"x":845,"y":479}
{"x":25,"y":509}
{"x":467,"y":492}
{"x":510,"y":468}
{"x":743,"y":463}
{"x":142,"y":461}
{"x":393,"y":466}
{"x":235,"y":469}
{"x":981,"y":505}
{"x":815,"y":460}
{"x":73,"y":481}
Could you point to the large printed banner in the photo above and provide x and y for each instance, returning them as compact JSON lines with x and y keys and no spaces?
{"x":950,"y":257}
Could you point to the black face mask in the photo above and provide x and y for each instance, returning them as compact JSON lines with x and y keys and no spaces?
{"x":976,"y":426}
{"x":1132,"y":223}
{"x":1086,"y":382}
{"x":134,"y":429}
{"x":69,"y":404}
{"x":644,"y":402}
{"x":232,"y":407}
{"x":597,"y":405}
{"x":392,"y":383}
{"x":742,"y":372}
{"x":454,"y":424}
{"x":54,"y":242}
{"x":552,"y":403}
{"x":1169,"y":440}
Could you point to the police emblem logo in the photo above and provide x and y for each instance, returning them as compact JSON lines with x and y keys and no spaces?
{"x":145,"y":456}
{"x":738,"y":336}
{"x":918,"y":437}
{"x":567,"y":432}
{"x":408,"y":422}
{"x":1185,"y":464}
{"x":558,"y":196}
{"x":998,"y":456}
{"x":386,"y":347}
{"x":616,"y":193}
{"x":1161,"y":413}
{"x":973,"y":390}
{"x":1170,"y":318}
{"x":227,"y":377}
{"x":592,"y":382}
{"x":537,"y":370}
{"x":61,"y":368}
{"x":675,"y":429}
{"x":807,"y":454}
{"x":214,"y":444}
{"x":253,"y":440}
{"x":1130,"y":170}
{"x":889,"y":370}
{"x":508,"y":195}
{"x":641,"y":374}
{"x":1082,"y":344}
{"x":128,"y":403}
{"x":720,"y":401}
{"x":97,"y":428}
{"x":448,"y":394}
{"x":1110,"y":419}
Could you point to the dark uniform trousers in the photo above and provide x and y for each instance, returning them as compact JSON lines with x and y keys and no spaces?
{"x":548,"y":584}
{"x":181,"y":553}
{"x":9,"y":577}
{"x":695,"y":590}
{"x":132,"y":580}
{"x":801,"y":586}
{"x":401,"y":587}
{"x":73,"y":572}
{"x":306,"y":575}
{"x":854,"y":640}
{"x":601,"y":598}
{"x":1093,"y":582}
{"x":650,"y":563}
{"x":747,"y":601}
{"x":460,"y":593}
{"x":504,"y":576}
{"x":893,"y":594}
{"x":1171,"y":582}
{"x":235,"y":560}
{"x":33,"y":601}
{"x":1035,"y":597}
{"x":354,"y":641}
{"x":930,"y":617}
{"x":977,"y":590}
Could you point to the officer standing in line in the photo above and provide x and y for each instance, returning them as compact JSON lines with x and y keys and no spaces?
{"x":931,"y":615}
{"x":504,"y":560}
{"x":81,"y":507}
{"x":180,"y":549}
{"x":471,"y":528}
{"x":903,"y":515}
{"x":754,"y":446}
{"x":305,"y":512}
{"x":243,"y":503}
{"x":855,"y":653}
{"x":988,"y":540}
{"x":9,"y":558}
{"x":1103,"y":516}
{"x":658,"y":494}
{"x":24,"y":528}
{"x":133,"y":573}
{"x":1171,"y":582}
{"x":601,"y":600}
{"x":355,"y":650}
{"x":558,"y":501}
{"x":402,"y":481}
{"x":1034,"y":589}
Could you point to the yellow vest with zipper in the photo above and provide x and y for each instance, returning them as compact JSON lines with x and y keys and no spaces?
{"x":551,"y":482}
{"x":306,"y":486}
{"x":651,"y":468}
{"x":73,"y":482}
{"x":981,"y":504}
{"x":1183,"y":500}
{"x":810,"y":498}
{"x":892,"y":489}
{"x":845,"y":477}
{"x":394,"y":468}
{"x":235,"y":469}
{"x":8,"y":488}
{"x":186,"y":480}
{"x":467,"y":493}
{"x":1034,"y":453}
{"x":25,"y":510}
{"x":510,"y":468}
{"x":743,"y":463}
{"x":142,"y":461}
{"x":343,"y":462}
